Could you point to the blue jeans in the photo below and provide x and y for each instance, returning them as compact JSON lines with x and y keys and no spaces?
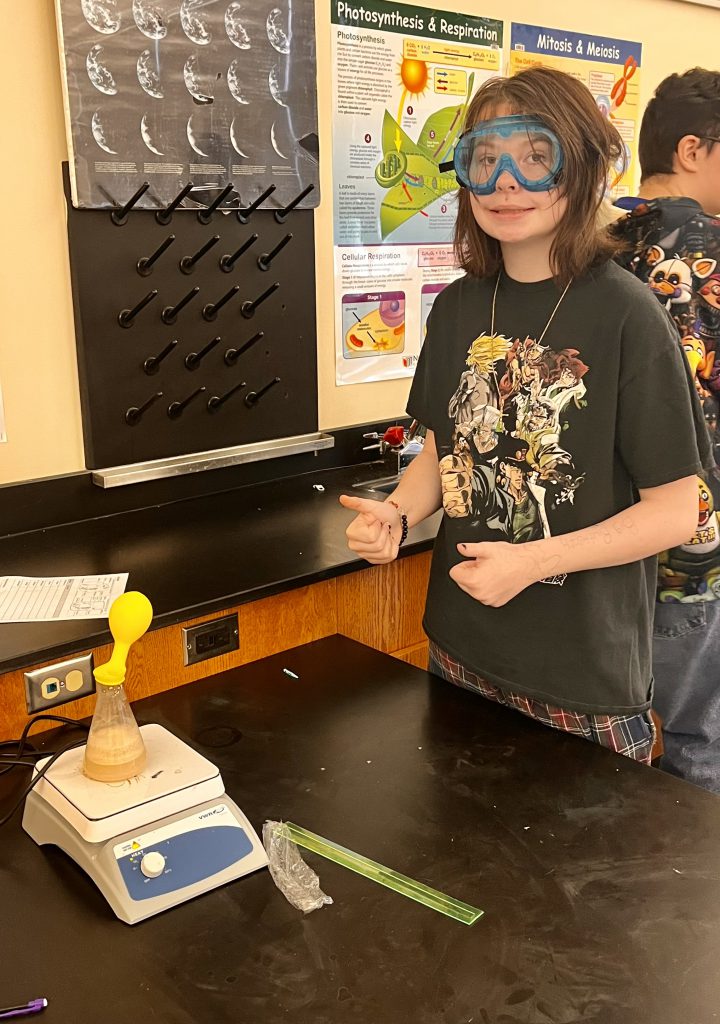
{"x":686,"y":667}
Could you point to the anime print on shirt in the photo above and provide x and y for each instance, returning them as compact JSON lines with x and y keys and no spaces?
{"x":510,"y":464}
{"x":675,"y":249}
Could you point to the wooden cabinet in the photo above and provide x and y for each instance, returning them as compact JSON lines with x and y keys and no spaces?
{"x":381,"y":606}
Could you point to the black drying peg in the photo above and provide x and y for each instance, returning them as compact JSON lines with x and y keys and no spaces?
{"x":165,"y":216}
{"x":127,"y":316}
{"x":266,"y":259}
{"x":195,"y":358}
{"x":280,"y":215}
{"x":210,"y":310}
{"x":144,"y":264}
{"x":253,"y":397}
{"x":244,"y":215}
{"x":169,"y":314}
{"x":187,"y":263}
{"x":248,"y":308}
{"x":233,"y":354}
{"x":205,"y":216}
{"x":176,"y":409}
{"x":152,"y":363}
{"x":227,"y":262}
{"x":216,"y":401}
{"x":134,"y":413}
{"x":120,"y":216}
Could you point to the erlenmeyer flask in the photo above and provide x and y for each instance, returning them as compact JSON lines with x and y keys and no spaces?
{"x":115,"y":750}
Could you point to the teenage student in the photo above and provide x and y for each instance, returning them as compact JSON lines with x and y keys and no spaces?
{"x":564,"y":433}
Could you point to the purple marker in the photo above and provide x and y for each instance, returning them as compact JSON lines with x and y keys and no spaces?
{"x":34,"y":1006}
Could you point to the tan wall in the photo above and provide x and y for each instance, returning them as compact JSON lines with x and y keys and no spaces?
{"x":37,"y":362}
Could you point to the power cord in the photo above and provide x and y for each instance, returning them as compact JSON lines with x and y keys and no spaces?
{"x":24,"y":749}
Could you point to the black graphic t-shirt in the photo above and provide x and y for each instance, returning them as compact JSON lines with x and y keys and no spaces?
{"x":541,"y":438}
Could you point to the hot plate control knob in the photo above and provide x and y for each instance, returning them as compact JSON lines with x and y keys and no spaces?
{"x":152,"y":865}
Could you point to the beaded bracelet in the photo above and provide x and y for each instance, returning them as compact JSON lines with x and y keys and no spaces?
{"x":403,"y":522}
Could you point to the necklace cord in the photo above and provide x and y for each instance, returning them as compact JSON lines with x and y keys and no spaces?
{"x":552,"y":315}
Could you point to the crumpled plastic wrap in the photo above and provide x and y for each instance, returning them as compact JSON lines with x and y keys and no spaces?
{"x":296,"y":881}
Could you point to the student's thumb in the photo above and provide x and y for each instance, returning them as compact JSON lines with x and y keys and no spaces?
{"x":475,"y":550}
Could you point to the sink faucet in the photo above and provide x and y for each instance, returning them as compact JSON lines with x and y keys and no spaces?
{"x":406,"y":444}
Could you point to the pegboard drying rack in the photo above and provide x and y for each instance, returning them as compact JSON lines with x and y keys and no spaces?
{"x":195,"y":331}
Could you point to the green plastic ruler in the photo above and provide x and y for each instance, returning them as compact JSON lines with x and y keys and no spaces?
{"x":378,"y":873}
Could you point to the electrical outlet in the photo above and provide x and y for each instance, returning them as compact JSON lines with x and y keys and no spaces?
{"x":210,"y":639}
{"x":59,"y":683}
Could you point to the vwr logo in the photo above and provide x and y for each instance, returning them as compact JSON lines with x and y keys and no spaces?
{"x":409,"y":360}
{"x":210,"y":814}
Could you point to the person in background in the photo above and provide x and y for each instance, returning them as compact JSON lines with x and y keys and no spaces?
{"x":672,"y":243}
{"x":559,"y":479}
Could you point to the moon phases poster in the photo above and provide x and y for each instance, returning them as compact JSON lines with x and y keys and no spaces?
{"x":208,"y":91}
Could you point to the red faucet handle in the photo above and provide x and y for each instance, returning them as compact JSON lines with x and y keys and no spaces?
{"x":394,"y":436}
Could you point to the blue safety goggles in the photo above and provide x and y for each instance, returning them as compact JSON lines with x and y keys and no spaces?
{"x":520,"y":144}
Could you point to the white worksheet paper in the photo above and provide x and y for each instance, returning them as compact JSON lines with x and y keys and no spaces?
{"x":51,"y":599}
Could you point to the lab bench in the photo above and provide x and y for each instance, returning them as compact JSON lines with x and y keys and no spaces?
{"x":598,"y":877}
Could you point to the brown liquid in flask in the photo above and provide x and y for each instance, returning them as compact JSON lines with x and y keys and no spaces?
{"x":115,"y":750}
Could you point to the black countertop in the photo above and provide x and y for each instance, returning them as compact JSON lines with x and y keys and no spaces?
{"x":195,"y":556}
{"x":599,"y":877}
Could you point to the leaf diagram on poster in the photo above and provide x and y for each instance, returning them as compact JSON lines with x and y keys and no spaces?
{"x":410,"y":170}
{"x":208,"y":91}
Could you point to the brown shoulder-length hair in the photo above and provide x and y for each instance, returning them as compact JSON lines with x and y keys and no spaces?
{"x":591,"y":145}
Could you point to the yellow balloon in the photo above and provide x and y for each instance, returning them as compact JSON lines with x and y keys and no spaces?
{"x":129,"y":618}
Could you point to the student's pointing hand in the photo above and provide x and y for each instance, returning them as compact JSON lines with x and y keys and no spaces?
{"x":375,"y":532}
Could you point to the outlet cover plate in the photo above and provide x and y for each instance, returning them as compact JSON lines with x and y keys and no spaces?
{"x":210,"y":639}
{"x":59,"y":683}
